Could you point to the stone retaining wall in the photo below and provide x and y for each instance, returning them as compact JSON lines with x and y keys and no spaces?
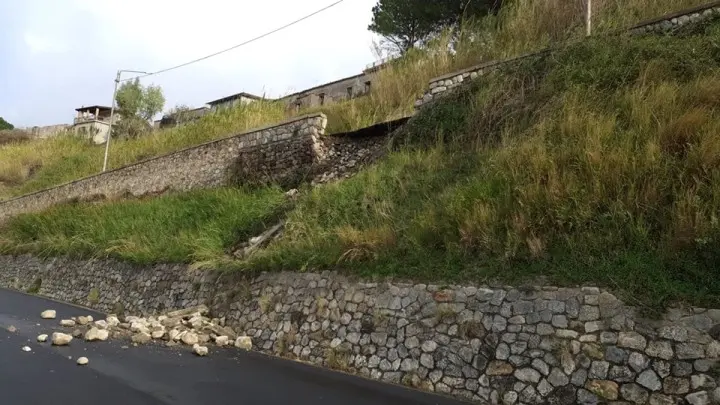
{"x":442,"y":84}
{"x":499,"y":345}
{"x":271,"y":153}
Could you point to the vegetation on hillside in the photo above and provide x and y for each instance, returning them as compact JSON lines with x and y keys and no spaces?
{"x":520,"y":26}
{"x":4,"y":125}
{"x":598,"y":163}
{"x":13,"y":136}
{"x":137,"y":105}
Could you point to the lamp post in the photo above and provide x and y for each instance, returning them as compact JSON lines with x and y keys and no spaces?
{"x":112,"y":113}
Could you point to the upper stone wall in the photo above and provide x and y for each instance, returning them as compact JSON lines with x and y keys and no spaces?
{"x":273,"y":153}
{"x":489,"y":344}
{"x":442,"y":84}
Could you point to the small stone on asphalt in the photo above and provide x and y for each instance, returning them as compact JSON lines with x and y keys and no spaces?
{"x":200,"y":350}
{"x":61,"y":339}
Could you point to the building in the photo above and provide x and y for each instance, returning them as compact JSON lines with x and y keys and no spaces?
{"x":47,"y":131}
{"x":232,"y":101}
{"x":338,"y":90}
{"x":93,"y":122}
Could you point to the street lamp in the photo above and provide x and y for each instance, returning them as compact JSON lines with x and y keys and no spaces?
{"x":112,"y":112}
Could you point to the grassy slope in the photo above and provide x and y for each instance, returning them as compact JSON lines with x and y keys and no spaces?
{"x":599,"y":163}
{"x":196,"y":226}
{"x":524,"y":26}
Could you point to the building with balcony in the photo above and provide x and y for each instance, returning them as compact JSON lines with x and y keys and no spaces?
{"x":93,"y":122}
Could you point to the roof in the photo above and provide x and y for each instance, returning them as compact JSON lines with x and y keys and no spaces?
{"x":192,"y":113}
{"x":302,"y":92}
{"x":93,"y":107}
{"x":233,"y":97}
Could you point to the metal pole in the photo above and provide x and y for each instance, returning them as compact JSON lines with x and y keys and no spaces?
{"x":112,"y":114}
{"x":588,"y":17}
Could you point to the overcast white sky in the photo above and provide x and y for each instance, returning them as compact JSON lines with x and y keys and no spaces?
{"x":57,"y":55}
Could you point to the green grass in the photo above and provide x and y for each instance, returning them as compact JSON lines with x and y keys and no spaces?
{"x":191,"y":227}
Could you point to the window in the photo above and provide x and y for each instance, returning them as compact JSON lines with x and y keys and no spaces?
{"x":350,"y":92}
{"x":367,"y":86}
{"x":322,"y":98}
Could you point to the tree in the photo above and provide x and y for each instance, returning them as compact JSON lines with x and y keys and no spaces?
{"x":5,"y":125}
{"x":456,"y":12}
{"x":408,"y":23}
{"x":402,"y":23}
{"x":137,"y":105}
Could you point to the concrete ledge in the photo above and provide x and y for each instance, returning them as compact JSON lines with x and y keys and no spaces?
{"x":676,"y":14}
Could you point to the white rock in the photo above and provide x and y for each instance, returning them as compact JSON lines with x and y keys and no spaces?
{"x":84,"y":320}
{"x":244,"y":342}
{"x":157,"y":334}
{"x":196,"y":322}
{"x":101,"y":324}
{"x":42,"y":338}
{"x":68,"y":323}
{"x":698,"y":398}
{"x":26,"y":348}
{"x":96,"y":334}
{"x":138,"y":327}
{"x":189,"y":338}
{"x":221,"y":340}
{"x":48,"y":314}
{"x":112,"y":320}
{"x":200,"y":350}
{"x":173,"y":334}
{"x":82,"y":361}
{"x":61,"y":339}
{"x":141,"y":338}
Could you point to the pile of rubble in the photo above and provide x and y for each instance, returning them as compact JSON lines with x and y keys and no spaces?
{"x":189,"y":326}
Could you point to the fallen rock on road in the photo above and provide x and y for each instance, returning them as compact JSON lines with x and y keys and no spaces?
{"x":61,"y":339}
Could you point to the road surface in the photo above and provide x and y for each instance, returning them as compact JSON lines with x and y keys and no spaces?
{"x":155,"y":375}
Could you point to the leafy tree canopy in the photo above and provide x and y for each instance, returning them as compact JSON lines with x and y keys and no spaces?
{"x":137,"y":105}
{"x":408,"y":23}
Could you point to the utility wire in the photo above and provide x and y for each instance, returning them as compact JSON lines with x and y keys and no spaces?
{"x":238,"y":45}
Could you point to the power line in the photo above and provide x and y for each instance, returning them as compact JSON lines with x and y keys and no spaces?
{"x":238,"y":45}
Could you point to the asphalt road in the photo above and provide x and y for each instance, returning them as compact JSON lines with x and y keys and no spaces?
{"x":154,"y":374}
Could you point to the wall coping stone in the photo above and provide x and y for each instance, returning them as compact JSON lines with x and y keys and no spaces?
{"x":489,"y":64}
{"x":177,"y":152}
{"x":676,"y":14}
